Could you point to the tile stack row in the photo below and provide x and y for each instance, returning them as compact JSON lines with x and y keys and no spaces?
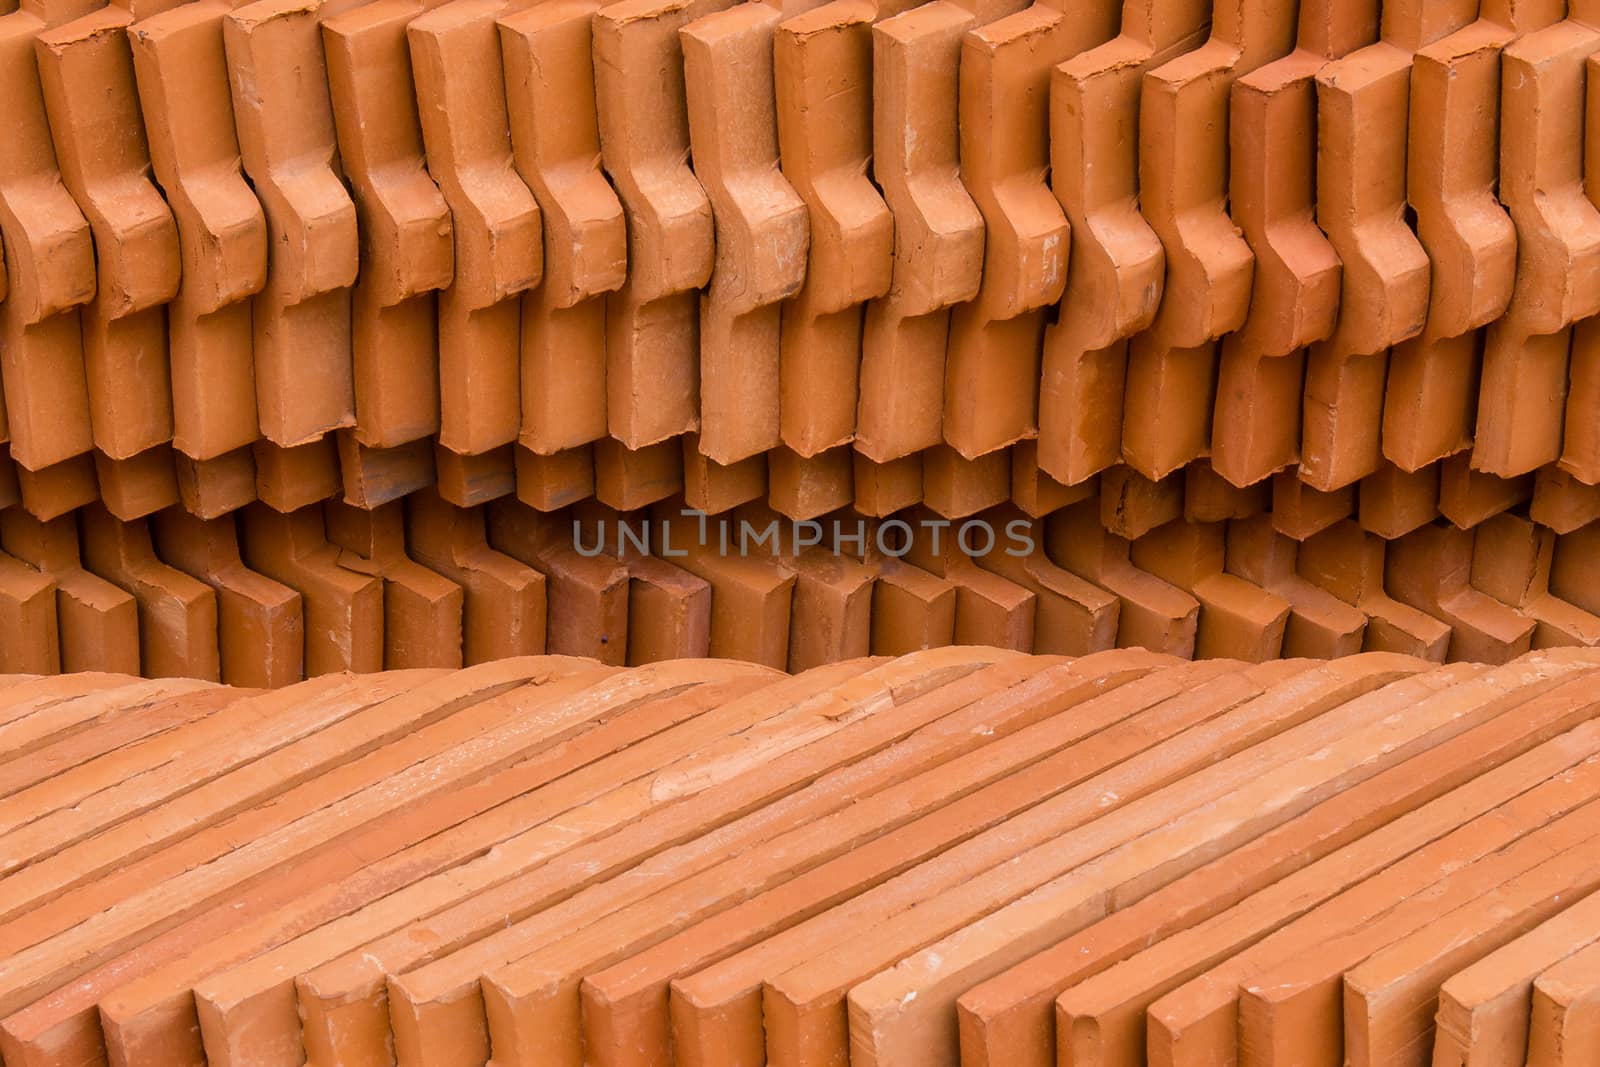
{"x":1332,"y":260}
{"x":958,"y":856}
{"x":1188,"y":567}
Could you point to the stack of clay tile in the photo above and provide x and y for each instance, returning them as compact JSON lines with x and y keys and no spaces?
{"x":323,"y":322}
{"x":959,"y":856}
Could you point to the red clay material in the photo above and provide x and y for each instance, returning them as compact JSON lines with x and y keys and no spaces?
{"x":49,"y":257}
{"x":822,"y":80}
{"x":1483,"y":1010}
{"x":762,"y":229}
{"x":260,"y":622}
{"x":86,"y":73}
{"x":1272,"y":196}
{"x":1010,"y":1017}
{"x":98,"y":622}
{"x":1237,"y":619}
{"x":421,"y":609}
{"x":882,"y":1017}
{"x":178,"y":58}
{"x":495,"y":221}
{"x":1521,"y":400}
{"x":155,"y":1014}
{"x":1117,"y":262}
{"x":547,"y":53}
{"x":1183,"y":177}
{"x":301,"y":318}
{"x":342,"y":607}
{"x":1454,"y":164}
{"x":803,"y":1011}
{"x":938,"y":235}
{"x":652,"y":322}
{"x":1154,"y":614}
{"x":1292,"y":1012}
{"x":796,"y":718}
{"x":177,"y":614}
{"x":992,"y":360}
{"x":1385,"y":289}
{"x":404,"y":226}
{"x":811,"y":854}
{"x":886,"y":862}
{"x":1565,"y":1028}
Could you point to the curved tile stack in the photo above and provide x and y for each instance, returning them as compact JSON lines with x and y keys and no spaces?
{"x":1277,"y":317}
{"x":959,"y":856}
